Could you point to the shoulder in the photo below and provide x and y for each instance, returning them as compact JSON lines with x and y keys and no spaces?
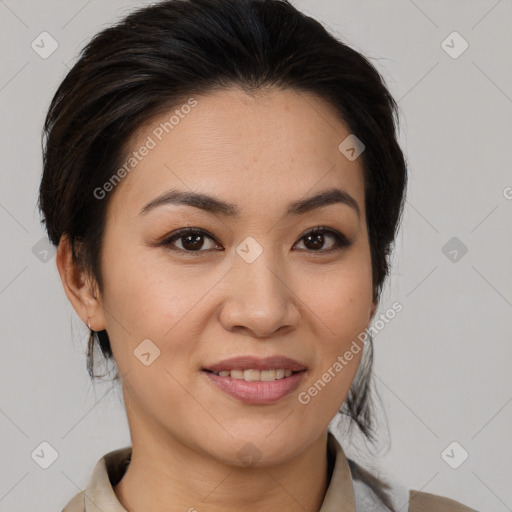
{"x":424,"y":501}
{"x":99,"y":491}
{"x":378,"y":495}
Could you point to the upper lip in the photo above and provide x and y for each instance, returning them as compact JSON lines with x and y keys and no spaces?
{"x":257,"y":363}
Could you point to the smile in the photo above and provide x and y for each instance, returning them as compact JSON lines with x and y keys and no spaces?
{"x":256,"y":375}
{"x":249,"y":386}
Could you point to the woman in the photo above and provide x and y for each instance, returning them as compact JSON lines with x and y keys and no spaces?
{"x":223,"y":182}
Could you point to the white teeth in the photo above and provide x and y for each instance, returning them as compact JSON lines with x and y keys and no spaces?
{"x":267,"y":375}
{"x":251,"y":375}
{"x":255,"y":375}
{"x":237,"y":374}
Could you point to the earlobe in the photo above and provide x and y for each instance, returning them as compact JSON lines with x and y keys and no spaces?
{"x":79,"y":287}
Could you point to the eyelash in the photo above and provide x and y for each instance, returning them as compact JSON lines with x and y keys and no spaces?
{"x":341,"y":242}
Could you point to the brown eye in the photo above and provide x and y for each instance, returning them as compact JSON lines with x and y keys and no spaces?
{"x":316,"y":238}
{"x":191,"y":240}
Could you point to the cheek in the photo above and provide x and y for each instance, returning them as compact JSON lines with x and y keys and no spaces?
{"x":340,"y":315}
{"x":143,"y":300}
{"x":339,"y":307}
{"x":323,"y":395}
{"x":339,"y":299}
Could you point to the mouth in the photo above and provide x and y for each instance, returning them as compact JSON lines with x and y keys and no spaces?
{"x":255,"y":380}
{"x":253,"y":363}
{"x":253,"y":375}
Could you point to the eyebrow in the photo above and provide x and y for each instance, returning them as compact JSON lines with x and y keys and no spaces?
{"x":216,"y":206}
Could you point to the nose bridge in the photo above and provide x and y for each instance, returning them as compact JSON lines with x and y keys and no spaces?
{"x":258,"y":296}
{"x":260,"y":277}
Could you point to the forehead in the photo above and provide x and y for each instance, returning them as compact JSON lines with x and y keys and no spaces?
{"x":275,"y":147}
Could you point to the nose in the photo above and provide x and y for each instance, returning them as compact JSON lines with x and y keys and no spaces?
{"x":259,"y":298}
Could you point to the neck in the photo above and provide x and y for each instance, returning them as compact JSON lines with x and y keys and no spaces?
{"x":170,"y":477}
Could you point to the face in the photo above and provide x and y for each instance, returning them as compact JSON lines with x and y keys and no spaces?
{"x":253,"y":278}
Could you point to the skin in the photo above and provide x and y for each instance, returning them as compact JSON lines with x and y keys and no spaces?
{"x":259,"y":152}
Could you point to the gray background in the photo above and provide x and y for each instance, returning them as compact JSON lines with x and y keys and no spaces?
{"x":442,"y":365}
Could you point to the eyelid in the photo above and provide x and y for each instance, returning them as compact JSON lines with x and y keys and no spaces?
{"x":324,"y":229}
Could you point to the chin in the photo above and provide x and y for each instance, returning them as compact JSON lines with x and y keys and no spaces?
{"x":258,"y":448}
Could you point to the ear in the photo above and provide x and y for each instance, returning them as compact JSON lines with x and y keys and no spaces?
{"x":80,"y":288}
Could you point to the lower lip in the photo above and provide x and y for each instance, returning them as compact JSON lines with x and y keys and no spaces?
{"x":257,"y":392}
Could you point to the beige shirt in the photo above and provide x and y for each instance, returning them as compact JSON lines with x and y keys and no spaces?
{"x":351,"y":488}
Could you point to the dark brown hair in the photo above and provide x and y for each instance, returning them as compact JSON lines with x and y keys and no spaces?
{"x":161,"y":54}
